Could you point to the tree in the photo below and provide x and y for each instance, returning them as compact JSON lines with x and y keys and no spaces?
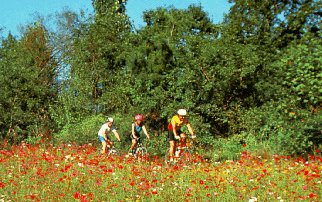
{"x":276,"y":22}
{"x":28,"y":74}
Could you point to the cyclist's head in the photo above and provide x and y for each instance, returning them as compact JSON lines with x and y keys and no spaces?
{"x":182,"y":113}
{"x":138,"y":117}
{"x":110,"y":120}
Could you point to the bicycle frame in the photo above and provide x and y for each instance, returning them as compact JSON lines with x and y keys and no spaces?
{"x":109,"y":151}
{"x":182,"y":154}
{"x":140,"y":152}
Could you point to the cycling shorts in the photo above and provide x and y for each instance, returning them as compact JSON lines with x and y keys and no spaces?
{"x":101,"y":138}
{"x":171,"y":135}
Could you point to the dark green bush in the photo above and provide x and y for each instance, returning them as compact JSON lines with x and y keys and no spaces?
{"x":282,"y":127}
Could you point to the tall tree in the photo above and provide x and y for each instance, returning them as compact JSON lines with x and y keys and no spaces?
{"x":29,"y":72}
{"x":161,"y":60}
{"x":71,"y":27}
{"x":96,"y":57}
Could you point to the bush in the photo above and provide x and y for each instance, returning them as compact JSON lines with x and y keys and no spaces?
{"x":282,"y":128}
{"x":227,"y":148}
{"x":82,"y":132}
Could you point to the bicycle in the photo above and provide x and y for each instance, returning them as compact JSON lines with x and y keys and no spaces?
{"x":109,"y":151}
{"x":140,"y":151}
{"x":183,"y":154}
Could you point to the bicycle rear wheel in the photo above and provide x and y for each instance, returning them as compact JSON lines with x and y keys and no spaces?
{"x":167,"y":157}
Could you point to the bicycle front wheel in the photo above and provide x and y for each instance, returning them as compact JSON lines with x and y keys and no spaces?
{"x":141,"y":154}
{"x":186,"y":157}
{"x":113,"y":152}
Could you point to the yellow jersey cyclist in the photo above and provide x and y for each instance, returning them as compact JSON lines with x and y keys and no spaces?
{"x":174,"y":129}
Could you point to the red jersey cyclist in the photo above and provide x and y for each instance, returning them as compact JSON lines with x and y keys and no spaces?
{"x":174,"y":129}
{"x":137,"y":127}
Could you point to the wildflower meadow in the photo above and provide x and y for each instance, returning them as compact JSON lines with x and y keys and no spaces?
{"x":79,"y":173}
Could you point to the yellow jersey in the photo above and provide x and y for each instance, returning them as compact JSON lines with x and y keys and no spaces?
{"x":177,"y":122}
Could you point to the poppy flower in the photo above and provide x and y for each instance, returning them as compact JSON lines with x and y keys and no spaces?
{"x":76,"y":195}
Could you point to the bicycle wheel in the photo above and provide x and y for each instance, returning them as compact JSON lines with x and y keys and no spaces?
{"x":175,"y":160}
{"x":167,"y":157}
{"x":186,"y":157}
{"x":99,"y":152}
{"x":112,"y":152}
{"x":141,"y":154}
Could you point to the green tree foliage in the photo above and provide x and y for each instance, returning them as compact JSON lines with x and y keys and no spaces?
{"x":162,"y":63}
{"x":257,"y":73}
{"x":27,"y":84}
{"x":90,"y":55}
{"x":301,"y":69}
{"x":69,"y":107}
{"x":273,"y":22}
{"x":285,"y":34}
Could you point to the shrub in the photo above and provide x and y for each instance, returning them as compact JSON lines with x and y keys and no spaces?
{"x":280,"y":127}
{"x":82,"y":132}
{"x":227,"y":148}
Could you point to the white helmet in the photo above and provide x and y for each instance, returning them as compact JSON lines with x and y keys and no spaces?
{"x":182,"y":112}
{"x":110,"y":119}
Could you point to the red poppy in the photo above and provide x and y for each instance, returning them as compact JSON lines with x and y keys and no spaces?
{"x":312,"y":195}
{"x":2,"y":185}
{"x":76,"y":195}
{"x":32,"y":197}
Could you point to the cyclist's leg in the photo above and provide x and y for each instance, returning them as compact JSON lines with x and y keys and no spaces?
{"x":109,"y":143}
{"x":134,"y":142}
{"x":101,"y":139}
{"x":172,"y":143}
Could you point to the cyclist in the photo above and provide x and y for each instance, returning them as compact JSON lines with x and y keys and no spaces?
{"x":174,"y":132}
{"x":137,"y":127}
{"x":103,"y":134}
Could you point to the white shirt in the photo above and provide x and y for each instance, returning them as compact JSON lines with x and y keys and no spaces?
{"x":107,"y":129}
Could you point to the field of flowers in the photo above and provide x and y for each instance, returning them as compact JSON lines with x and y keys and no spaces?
{"x":77,"y":173}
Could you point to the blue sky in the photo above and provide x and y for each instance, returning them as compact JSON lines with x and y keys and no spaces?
{"x":14,"y":13}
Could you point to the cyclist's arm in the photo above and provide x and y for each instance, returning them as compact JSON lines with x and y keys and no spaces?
{"x":145,"y":132}
{"x":117,"y":135}
{"x":174,"y":129}
{"x":190,"y":130}
{"x":133,"y":132}
{"x":105,"y":135}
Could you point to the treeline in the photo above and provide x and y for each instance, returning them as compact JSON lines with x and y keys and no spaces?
{"x":257,"y":75}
